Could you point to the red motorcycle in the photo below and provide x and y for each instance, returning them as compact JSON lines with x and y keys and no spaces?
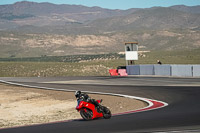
{"x":89,"y":112}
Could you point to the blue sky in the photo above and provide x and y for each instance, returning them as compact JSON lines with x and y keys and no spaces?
{"x":116,"y":4}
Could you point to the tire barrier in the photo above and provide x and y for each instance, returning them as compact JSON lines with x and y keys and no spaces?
{"x":122,"y":72}
{"x":113,"y":72}
{"x":118,"y":72}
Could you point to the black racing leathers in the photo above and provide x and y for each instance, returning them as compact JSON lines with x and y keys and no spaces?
{"x":85,"y":97}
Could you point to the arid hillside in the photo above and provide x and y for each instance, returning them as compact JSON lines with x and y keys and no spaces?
{"x":15,"y":44}
{"x":29,"y":29}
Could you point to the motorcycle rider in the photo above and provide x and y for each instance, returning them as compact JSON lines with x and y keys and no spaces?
{"x":79,"y":95}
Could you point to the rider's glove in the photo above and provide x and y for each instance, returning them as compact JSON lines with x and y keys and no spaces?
{"x":88,"y":99}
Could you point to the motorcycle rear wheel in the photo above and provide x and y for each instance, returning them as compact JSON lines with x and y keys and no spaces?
{"x":86,"y":114}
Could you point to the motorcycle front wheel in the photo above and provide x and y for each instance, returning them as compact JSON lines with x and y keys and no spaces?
{"x":106,"y":112}
{"x":86,"y":114}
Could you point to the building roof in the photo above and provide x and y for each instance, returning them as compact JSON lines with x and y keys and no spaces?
{"x":131,"y":43}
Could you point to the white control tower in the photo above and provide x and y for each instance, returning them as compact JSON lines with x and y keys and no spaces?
{"x":131,"y":52}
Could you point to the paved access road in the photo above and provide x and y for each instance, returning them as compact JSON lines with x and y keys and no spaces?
{"x":182,"y":113}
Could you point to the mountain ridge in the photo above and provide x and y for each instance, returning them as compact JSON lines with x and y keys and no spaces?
{"x":36,"y":29}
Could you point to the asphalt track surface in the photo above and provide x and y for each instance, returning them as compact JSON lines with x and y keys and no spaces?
{"x":182,"y":113}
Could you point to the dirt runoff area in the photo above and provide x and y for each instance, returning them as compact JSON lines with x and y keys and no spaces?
{"x":26,"y":106}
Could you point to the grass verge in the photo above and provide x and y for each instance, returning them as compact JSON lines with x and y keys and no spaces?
{"x":95,"y":67}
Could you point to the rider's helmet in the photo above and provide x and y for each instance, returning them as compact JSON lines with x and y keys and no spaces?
{"x":77,"y":93}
